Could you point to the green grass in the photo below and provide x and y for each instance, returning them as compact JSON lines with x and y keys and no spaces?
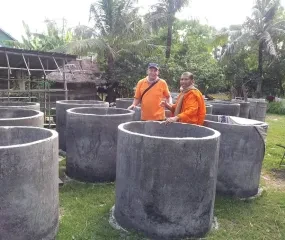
{"x":85,"y":207}
{"x":276,"y":135}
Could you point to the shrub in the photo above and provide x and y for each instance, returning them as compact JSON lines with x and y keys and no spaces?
{"x":276,"y":108}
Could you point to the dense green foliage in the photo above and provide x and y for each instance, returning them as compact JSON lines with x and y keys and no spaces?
{"x":250,"y":54}
{"x":276,"y":108}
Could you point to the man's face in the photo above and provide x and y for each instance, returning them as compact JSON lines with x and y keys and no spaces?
{"x":152,"y":73}
{"x":186,"y":81}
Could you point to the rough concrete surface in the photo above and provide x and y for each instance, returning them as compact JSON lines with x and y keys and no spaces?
{"x":62,"y":106}
{"x":209,"y":109}
{"x":29,"y":183}
{"x":125,"y":103}
{"x":21,"y":117}
{"x":241,"y":154}
{"x":244,"y":108}
{"x":92,"y":142}
{"x":166,"y":179}
{"x":225,"y":108}
{"x":258,"y":108}
{"x":22,"y":105}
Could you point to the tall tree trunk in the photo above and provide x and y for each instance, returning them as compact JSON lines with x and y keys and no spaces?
{"x":170,"y":21}
{"x":111,"y":66}
{"x":111,"y":94}
{"x":281,"y":86}
{"x":260,"y":71}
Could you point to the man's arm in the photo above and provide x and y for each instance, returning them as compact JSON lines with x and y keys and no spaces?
{"x":166,"y":93}
{"x":136,"y":98}
{"x":136,"y":102}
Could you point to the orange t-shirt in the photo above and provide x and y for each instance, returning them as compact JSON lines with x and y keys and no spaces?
{"x":150,"y":104}
{"x":193,"y":108}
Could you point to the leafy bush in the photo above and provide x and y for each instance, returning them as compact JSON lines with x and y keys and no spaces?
{"x":276,"y":108}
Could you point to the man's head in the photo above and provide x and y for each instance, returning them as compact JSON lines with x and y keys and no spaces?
{"x":186,"y":80}
{"x":152,"y":71}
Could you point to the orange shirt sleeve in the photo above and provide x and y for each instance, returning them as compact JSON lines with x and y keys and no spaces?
{"x":166,"y":92}
{"x":138,"y":90}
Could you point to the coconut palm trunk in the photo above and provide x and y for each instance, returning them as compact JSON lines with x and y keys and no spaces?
{"x":170,"y":21}
{"x":260,"y":71}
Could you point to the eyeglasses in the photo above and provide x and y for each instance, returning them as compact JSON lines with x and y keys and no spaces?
{"x":184,"y":79}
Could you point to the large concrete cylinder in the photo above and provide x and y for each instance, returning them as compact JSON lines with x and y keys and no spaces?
{"x":258,"y":108}
{"x":241,"y":154}
{"x":244,"y":108}
{"x":62,"y":106}
{"x":29,"y":183}
{"x":225,"y":108}
{"x":92,"y":142}
{"x":21,"y":117}
{"x":125,"y":103}
{"x":22,"y":105}
{"x":166,"y":179}
{"x":209,"y":109}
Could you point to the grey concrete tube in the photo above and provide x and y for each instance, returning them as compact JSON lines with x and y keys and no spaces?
{"x":166,"y":179}
{"x":244,"y":108}
{"x":125,"y":103}
{"x":29,"y":183}
{"x":62,"y":106}
{"x":22,"y":105}
{"x":241,"y":154}
{"x":209,"y":109}
{"x":258,"y":108}
{"x":21,"y":117}
{"x":225,"y":108}
{"x":92,"y":142}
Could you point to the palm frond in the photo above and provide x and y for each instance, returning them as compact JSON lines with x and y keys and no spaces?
{"x":278,"y":31}
{"x":270,"y":11}
{"x":233,"y":46}
{"x":256,"y":13}
{"x":268,"y":44}
{"x":93,"y":13}
{"x":179,"y":4}
{"x":279,"y":24}
{"x":82,"y":47}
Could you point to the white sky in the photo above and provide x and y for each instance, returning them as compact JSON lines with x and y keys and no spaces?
{"x":218,"y":13}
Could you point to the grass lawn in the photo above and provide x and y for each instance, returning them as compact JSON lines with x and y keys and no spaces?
{"x":85,"y":207}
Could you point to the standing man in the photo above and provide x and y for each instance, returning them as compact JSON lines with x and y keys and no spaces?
{"x":190,"y":105}
{"x":150,"y":91}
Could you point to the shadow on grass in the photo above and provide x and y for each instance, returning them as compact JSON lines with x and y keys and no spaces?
{"x":279,"y":173}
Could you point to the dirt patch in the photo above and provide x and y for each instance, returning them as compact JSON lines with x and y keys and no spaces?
{"x":279,"y":174}
{"x":275,"y":178}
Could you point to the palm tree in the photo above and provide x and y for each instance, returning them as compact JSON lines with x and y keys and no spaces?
{"x":117,"y":29}
{"x":260,"y":28}
{"x":163,"y":13}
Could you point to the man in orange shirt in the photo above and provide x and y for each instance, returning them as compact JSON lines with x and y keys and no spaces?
{"x":190,"y":105}
{"x":150,"y":91}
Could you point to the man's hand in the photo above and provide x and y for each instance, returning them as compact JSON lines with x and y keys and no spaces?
{"x":131,"y":107}
{"x":163,"y":103}
{"x":171,"y":120}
